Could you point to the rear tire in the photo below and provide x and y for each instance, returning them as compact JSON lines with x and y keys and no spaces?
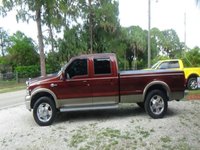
{"x":44,"y":111}
{"x":192,"y":83}
{"x":156,"y":104}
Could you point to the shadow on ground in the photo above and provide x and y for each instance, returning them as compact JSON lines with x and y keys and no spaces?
{"x":111,"y":114}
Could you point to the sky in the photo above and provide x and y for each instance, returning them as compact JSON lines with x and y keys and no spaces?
{"x":165,"y":14}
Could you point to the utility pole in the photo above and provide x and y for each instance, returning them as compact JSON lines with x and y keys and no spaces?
{"x":185,"y":28}
{"x":149,"y":34}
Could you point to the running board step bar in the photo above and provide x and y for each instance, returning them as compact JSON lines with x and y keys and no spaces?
{"x":93,"y":107}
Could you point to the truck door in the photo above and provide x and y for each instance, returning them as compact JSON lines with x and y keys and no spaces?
{"x":104,"y":84}
{"x":76,"y":89}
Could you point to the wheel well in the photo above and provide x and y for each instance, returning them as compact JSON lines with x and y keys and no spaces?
{"x":38,"y":95}
{"x":157,"y":87}
{"x":192,"y":76}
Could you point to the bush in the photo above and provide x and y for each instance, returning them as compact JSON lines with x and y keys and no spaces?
{"x":31,"y":71}
{"x":28,"y":71}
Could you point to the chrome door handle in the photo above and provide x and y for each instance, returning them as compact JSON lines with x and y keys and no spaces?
{"x":53,"y":85}
{"x":85,"y":81}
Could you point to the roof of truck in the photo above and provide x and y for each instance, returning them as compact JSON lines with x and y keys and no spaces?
{"x":97,"y":55}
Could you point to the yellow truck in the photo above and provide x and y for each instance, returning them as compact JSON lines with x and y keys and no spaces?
{"x":191,"y":74}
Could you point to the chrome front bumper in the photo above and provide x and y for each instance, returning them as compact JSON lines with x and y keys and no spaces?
{"x":28,"y":102}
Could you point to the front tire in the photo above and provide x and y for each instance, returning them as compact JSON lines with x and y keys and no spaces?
{"x":156,"y":104}
{"x":141,"y":104}
{"x":44,"y":111}
{"x":192,"y":83}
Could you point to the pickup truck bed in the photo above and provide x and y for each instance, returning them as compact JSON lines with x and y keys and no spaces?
{"x":137,"y":83}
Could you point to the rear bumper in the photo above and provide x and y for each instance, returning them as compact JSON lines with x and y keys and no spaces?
{"x":28,"y":102}
{"x":177,"y":95}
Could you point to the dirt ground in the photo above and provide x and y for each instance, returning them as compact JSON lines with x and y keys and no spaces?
{"x":128,"y":127}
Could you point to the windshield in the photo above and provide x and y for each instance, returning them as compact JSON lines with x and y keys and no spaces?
{"x":62,"y":68}
{"x":155,"y":65}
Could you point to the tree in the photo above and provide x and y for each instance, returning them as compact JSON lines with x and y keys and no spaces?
{"x":137,"y":43}
{"x":22,"y":51}
{"x":58,"y":15}
{"x":171,"y":44}
{"x":157,"y":38}
{"x":192,"y":57}
{"x":48,"y":12}
{"x":29,"y":9}
{"x":72,"y":44}
{"x":101,"y":23}
{"x":4,"y":41}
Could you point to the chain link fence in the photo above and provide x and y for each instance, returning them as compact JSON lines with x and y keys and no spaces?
{"x":11,"y":76}
{"x":8,"y":76}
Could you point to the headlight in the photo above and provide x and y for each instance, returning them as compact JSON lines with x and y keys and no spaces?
{"x":28,"y":82}
{"x":28,"y":92}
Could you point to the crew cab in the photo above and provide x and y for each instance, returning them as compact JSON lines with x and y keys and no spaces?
{"x":191,"y":74}
{"x":91,"y":82}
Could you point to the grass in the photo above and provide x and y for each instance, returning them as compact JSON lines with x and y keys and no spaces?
{"x":89,"y":138}
{"x":194,"y":92}
{"x":10,"y":86}
{"x":193,"y":95}
{"x":165,"y":139}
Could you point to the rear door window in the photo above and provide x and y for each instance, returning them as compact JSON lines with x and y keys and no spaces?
{"x":102,"y":66}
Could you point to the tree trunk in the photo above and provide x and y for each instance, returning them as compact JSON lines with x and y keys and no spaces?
{"x":51,"y":37}
{"x":90,"y":27}
{"x":40,"y":41}
{"x":2,"y":46}
{"x":130,"y":64}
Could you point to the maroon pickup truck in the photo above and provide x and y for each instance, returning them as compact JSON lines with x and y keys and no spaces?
{"x":91,"y":82}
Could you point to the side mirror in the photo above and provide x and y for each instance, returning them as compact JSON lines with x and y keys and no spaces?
{"x":62,"y":76}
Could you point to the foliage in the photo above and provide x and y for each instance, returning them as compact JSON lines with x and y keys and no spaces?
{"x":31,"y":71}
{"x":51,"y":13}
{"x":192,"y":57}
{"x":157,"y":38}
{"x":28,"y":71}
{"x":53,"y":63}
{"x":72,"y":44}
{"x":136,"y":41}
{"x":88,"y":26}
{"x":22,"y":51}
{"x":171,"y":43}
{"x":101,"y":24}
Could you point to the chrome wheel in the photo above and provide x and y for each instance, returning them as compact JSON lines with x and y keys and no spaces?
{"x":44,"y":112}
{"x":157,"y":104}
{"x":193,"y":84}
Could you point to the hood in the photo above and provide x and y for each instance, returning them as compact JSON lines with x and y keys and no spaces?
{"x":40,"y":79}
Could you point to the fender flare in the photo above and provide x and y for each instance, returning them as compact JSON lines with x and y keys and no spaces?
{"x":45,"y":90}
{"x":161,"y":83}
